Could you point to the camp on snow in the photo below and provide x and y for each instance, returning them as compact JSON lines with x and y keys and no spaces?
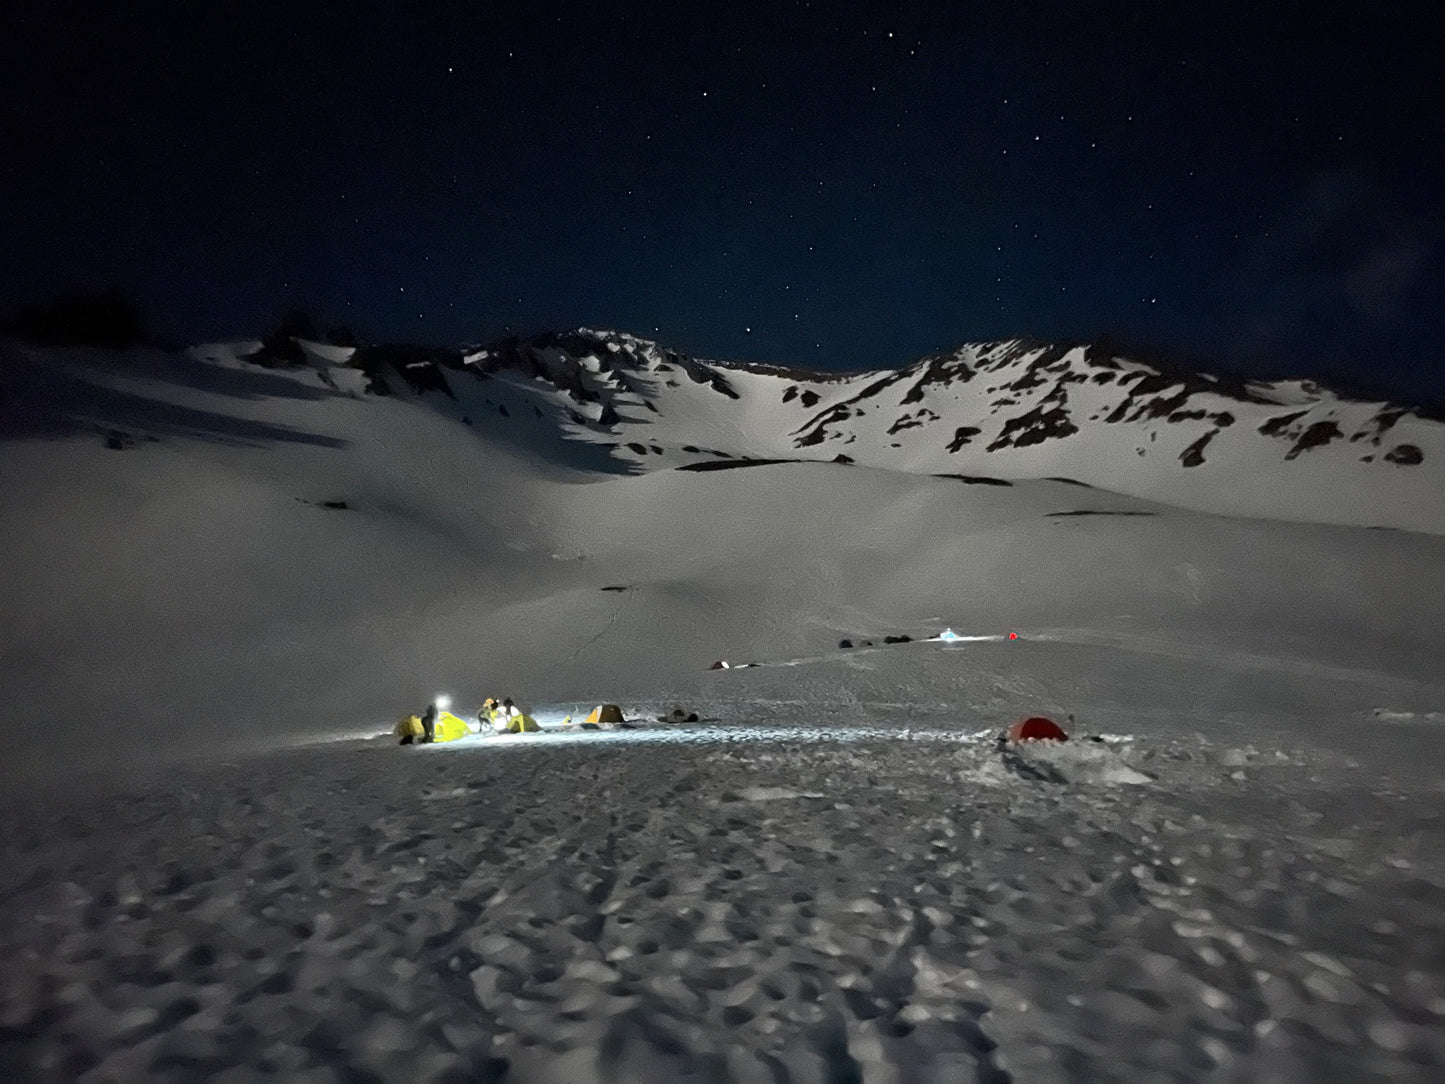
{"x":448,"y":727}
{"x":605,"y":713}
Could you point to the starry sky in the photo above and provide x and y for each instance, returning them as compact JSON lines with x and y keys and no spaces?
{"x":1253,"y":187}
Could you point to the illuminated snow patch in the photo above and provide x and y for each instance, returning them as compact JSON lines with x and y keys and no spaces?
{"x":771,"y":794}
{"x":1390,"y":715}
{"x":717,"y":735}
{"x":333,"y":737}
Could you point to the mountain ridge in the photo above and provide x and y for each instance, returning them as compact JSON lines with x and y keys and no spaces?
{"x":1011,"y":409}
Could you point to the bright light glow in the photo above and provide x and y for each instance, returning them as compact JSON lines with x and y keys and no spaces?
{"x":443,"y":702}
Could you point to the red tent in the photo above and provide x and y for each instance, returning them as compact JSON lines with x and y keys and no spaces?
{"x":1036,"y":728}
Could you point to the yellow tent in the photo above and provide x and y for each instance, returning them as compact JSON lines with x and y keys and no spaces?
{"x":449,"y":727}
{"x":408,"y":727}
{"x":606,"y":713}
{"x":521,"y":723}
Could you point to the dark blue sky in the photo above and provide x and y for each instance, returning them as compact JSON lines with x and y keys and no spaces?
{"x":1255,"y":187}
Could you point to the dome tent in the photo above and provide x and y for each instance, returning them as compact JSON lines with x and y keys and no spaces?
{"x":1036,"y":728}
{"x":450,"y":727}
{"x":447,"y":727}
{"x":408,"y":728}
{"x":522,"y":723}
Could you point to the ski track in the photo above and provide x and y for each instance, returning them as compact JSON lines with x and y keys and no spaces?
{"x":617,"y":611}
{"x":675,"y":905}
{"x":1171,"y":647}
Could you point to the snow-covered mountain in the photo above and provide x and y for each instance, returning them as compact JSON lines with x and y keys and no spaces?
{"x":226,"y":572}
{"x":204,"y":543}
{"x":1000,"y":411}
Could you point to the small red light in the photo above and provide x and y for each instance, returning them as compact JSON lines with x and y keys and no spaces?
{"x":1013,"y":636}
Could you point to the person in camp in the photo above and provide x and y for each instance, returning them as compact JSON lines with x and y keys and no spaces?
{"x":493,"y":715}
{"x":494,"y":712}
{"x":428,"y":725}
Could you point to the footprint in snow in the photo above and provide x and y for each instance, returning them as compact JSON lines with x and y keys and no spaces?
{"x":770,"y":794}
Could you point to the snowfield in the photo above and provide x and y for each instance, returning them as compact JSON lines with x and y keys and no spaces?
{"x":742,"y":902}
{"x":225,"y":583}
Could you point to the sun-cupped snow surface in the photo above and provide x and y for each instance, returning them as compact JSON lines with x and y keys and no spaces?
{"x":771,"y":895}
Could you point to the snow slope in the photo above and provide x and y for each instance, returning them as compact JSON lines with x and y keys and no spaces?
{"x":224,"y":580}
{"x":202,"y":584}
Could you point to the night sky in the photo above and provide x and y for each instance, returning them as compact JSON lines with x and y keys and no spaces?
{"x":1252,"y":187}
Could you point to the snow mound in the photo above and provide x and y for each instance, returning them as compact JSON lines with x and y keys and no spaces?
{"x":1392,"y":715}
{"x":1079,"y":761}
{"x":772,"y":794}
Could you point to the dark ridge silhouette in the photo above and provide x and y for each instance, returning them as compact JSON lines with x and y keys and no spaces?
{"x":108,"y":319}
{"x":282,"y":347}
{"x":90,"y":407}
